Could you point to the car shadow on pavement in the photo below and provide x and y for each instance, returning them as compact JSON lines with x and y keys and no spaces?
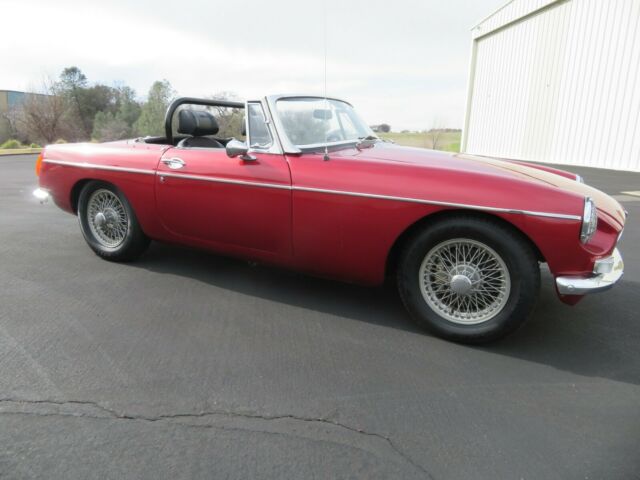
{"x":380,"y":306}
{"x":596,"y":338}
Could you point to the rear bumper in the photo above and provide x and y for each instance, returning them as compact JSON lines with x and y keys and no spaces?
{"x":606,"y":272}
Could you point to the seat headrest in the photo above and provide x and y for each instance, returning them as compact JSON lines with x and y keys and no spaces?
{"x":197,"y":123}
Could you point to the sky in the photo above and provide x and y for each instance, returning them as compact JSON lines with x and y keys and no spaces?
{"x":401,"y":62}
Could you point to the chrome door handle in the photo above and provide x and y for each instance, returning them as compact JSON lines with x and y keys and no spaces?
{"x":174,"y":163}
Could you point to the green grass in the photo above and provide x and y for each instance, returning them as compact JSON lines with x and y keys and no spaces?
{"x":17,"y":151}
{"x":448,"y":141}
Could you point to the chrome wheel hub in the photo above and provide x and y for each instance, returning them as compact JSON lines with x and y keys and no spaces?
{"x":464,"y":281}
{"x":100,"y":219}
{"x":461,"y":284}
{"x":107,"y":218}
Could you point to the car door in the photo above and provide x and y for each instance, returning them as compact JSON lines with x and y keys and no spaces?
{"x":241,"y":204}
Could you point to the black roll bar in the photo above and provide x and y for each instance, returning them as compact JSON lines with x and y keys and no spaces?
{"x":168,"y":118}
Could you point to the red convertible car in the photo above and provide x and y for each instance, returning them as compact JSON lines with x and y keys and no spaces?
{"x":312,"y":188}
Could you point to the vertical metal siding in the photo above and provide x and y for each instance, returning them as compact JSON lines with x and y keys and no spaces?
{"x":558,"y":82}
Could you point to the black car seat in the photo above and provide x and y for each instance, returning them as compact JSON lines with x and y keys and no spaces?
{"x":198,"y":123}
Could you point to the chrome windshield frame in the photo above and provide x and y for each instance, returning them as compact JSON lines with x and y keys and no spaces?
{"x":287,"y":145}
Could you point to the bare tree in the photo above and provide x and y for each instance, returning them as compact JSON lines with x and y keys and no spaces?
{"x":12,"y":117}
{"x":41,"y":115}
{"x":230,"y":120}
{"x":433,"y":138}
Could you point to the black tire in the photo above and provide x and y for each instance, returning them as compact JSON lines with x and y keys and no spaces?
{"x":134,"y":241}
{"x":512,"y":250}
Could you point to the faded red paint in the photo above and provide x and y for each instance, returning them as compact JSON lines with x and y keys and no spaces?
{"x":348,"y":237}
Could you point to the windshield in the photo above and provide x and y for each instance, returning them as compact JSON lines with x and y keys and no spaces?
{"x":313,"y":121}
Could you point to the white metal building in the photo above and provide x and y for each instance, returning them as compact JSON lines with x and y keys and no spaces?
{"x":557,"y":81}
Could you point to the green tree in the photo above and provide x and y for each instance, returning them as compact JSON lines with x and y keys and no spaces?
{"x":72,"y":78}
{"x":86,"y":100}
{"x":108,"y":126}
{"x":127,"y":107}
{"x":72,"y":85}
{"x":151,"y":120}
{"x":117,"y":122}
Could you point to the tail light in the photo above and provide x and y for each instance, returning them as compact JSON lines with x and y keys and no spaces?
{"x":39,"y":163}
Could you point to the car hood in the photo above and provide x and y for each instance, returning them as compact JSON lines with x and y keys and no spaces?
{"x":433,"y":159}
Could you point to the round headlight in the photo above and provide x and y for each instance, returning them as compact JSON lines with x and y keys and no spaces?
{"x":589,"y":220}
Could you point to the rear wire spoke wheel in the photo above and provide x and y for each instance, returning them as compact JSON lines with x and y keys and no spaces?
{"x":107,"y":218}
{"x":469,"y":278}
{"x":109,"y":224}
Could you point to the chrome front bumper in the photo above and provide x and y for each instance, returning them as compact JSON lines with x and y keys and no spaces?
{"x":606,"y":272}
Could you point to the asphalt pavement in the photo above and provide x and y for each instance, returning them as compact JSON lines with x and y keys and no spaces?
{"x":188,"y":365}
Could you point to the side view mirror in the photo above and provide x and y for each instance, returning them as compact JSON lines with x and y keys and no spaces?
{"x":236,"y":148}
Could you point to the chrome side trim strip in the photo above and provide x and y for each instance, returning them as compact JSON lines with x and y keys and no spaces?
{"x":563,"y":216}
{"x":204,"y":178}
{"x":233,"y":181}
{"x":100,"y":167}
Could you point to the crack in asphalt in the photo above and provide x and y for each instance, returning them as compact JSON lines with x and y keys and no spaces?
{"x":114,"y":414}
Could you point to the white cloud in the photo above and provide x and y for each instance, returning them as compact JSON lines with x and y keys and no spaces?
{"x":403,"y":64}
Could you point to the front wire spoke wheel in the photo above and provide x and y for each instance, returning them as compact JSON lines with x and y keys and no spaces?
{"x":107,"y":218}
{"x":464,"y":281}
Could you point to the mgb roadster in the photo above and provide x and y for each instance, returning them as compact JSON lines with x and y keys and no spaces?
{"x":312,"y":188}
